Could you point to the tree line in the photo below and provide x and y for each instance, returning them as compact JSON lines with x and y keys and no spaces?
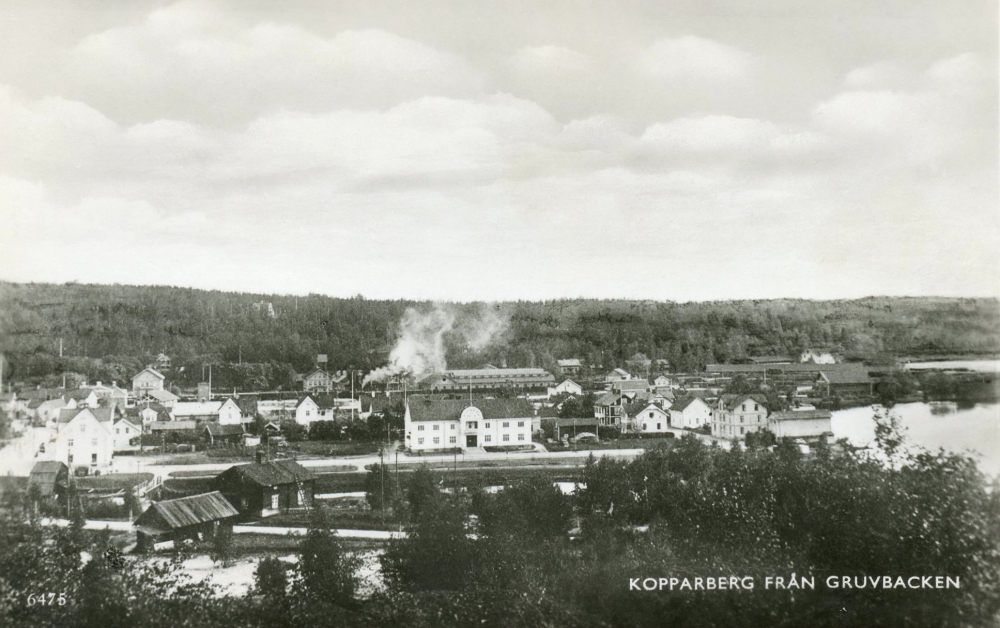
{"x":260,"y":341}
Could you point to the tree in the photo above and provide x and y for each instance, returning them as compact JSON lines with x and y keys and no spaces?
{"x":222,"y":545}
{"x":437,"y":553}
{"x":327,"y":573}
{"x":421,"y":491}
{"x":380,"y":488}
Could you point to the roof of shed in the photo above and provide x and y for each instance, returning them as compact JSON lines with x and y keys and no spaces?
{"x":188,"y":511}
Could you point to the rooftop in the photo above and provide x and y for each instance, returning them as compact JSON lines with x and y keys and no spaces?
{"x":426,"y":409}
{"x":272,"y":472}
{"x":187,"y":511}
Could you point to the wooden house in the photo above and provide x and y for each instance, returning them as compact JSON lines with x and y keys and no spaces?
{"x":266,"y":488}
{"x":197,"y":517}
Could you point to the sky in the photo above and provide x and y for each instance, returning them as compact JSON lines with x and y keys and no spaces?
{"x":469,"y":150}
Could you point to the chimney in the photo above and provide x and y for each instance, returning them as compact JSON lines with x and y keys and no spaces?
{"x":260,"y":456}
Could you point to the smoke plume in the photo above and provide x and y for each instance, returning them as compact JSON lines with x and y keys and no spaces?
{"x":420,"y":349}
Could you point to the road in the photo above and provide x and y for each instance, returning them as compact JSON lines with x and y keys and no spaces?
{"x":126,"y":526}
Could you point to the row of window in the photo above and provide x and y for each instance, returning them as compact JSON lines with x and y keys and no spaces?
{"x":93,"y":441}
{"x":488,"y":438}
{"x":472,"y":425}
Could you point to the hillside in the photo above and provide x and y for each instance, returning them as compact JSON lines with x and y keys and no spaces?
{"x":109,"y":332}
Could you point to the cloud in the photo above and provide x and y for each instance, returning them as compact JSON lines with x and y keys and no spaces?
{"x":691,"y":59}
{"x":208,"y":66}
{"x":550,"y":61}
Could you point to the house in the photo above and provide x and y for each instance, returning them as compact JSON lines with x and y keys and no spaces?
{"x":810,"y":424}
{"x":630,"y":385}
{"x":144,"y":415}
{"x":317,"y":381}
{"x":663,"y":399}
{"x":772,"y":359}
{"x":125,"y":435}
{"x":568,"y":387}
{"x":84,"y":397}
{"x":112,"y":392}
{"x":222,"y":412}
{"x":147,"y":379}
{"x":646,"y":418}
{"x":248,"y":407}
{"x":491,"y":378}
{"x":639,"y":363}
{"x":817,"y":357}
{"x":608,"y":408}
{"x":312,"y":408}
{"x":855,"y":382}
{"x":51,"y":477}
{"x":83,"y":439}
{"x":165,"y":398}
{"x":738,"y":415}
{"x":166,"y":427}
{"x":48,"y":411}
{"x":617,"y":375}
{"x":662,"y":381}
{"x":467,"y":424}
{"x":378,"y":405}
{"x":196,"y":517}
{"x":215,"y":433}
{"x":690,"y":412}
{"x":265,"y":488}
{"x":570,"y":366}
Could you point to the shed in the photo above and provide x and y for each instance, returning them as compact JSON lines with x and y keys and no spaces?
{"x":50,"y":476}
{"x":265,"y":488}
{"x":215,"y":433}
{"x":197,"y":517}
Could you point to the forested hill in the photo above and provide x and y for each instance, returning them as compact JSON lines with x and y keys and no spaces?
{"x":108,"y":332}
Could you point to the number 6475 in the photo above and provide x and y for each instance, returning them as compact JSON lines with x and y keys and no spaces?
{"x":47,"y":599}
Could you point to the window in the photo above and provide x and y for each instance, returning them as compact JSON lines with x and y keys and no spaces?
{"x":741,"y":430}
{"x":453,"y":426}
{"x":756,"y":407}
{"x":93,"y":458}
{"x":520,"y":423}
{"x":520,"y":437}
{"x":645,"y":427}
{"x":83,"y":428}
{"x":506,"y":424}
{"x":420,"y":441}
{"x":506,"y":437}
{"x":93,"y":441}
{"x":274,"y":501}
{"x":471,"y":425}
{"x":488,"y":438}
{"x":437,"y":427}
{"x":437,"y":440}
{"x":70,"y":457}
{"x":651,"y":415}
{"x":744,"y":407}
{"x":307,"y":412}
{"x":487,"y":426}
{"x":70,"y":443}
{"x":118,"y":430}
{"x":420,"y":428}
{"x":451,"y":439}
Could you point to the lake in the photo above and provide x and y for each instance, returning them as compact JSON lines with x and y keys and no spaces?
{"x":982,"y":366}
{"x":932,"y":426}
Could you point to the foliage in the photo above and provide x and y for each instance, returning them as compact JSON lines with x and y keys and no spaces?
{"x":326,"y":572}
{"x":421,"y":491}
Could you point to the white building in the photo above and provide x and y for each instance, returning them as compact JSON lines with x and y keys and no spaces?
{"x":651,"y":419}
{"x":125,"y":436}
{"x":738,"y":415}
{"x":165,"y":398}
{"x":224,"y":412}
{"x":83,"y":440}
{"x":48,"y":411}
{"x":431,"y":424}
{"x":311,"y":409}
{"x":147,"y":379}
{"x":568,"y":387}
{"x":689,"y":413}
{"x":801,"y":424}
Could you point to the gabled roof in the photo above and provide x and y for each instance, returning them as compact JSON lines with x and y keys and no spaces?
{"x":223,"y":430}
{"x":45,"y":475}
{"x":315,"y":371}
{"x":196,"y":408}
{"x":379,"y":403}
{"x":635,"y":409}
{"x":247,"y":404}
{"x":40,"y":394}
{"x":324,"y":401}
{"x":607,"y":399}
{"x":51,"y":404}
{"x":126,"y":421}
{"x":729,"y":402}
{"x":685,"y":401}
{"x":426,"y":409}
{"x":161,"y":395}
{"x":847,"y":376}
{"x":79,"y":393}
{"x":621,"y":372}
{"x":569,"y":362}
{"x":631,"y":384}
{"x":103,"y":415}
{"x":272,"y":473}
{"x":798,"y":415}
{"x":569,"y":381}
{"x":149,"y":369}
{"x":187,"y":511}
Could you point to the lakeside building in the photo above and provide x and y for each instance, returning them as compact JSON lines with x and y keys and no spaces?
{"x":488,"y":379}
{"x":738,"y":415}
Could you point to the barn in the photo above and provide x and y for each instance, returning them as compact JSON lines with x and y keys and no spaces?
{"x":197,"y":517}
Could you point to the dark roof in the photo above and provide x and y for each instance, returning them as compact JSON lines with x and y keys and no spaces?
{"x":223,"y":430}
{"x":113,"y":482}
{"x":630,"y":384}
{"x":158,"y":374}
{"x":45,"y":475}
{"x":101,"y":414}
{"x":273,"y":472}
{"x":426,"y":409}
{"x":804,"y":367}
{"x":187,"y":511}
{"x":323,"y":400}
{"x":78,"y":393}
{"x":41,"y":394}
{"x":633,"y":409}
{"x":247,"y":404}
{"x":378,"y":404}
{"x":172,"y":426}
{"x":685,"y":401}
{"x":729,"y":402}
{"x":800,"y":414}
{"x":852,"y":376}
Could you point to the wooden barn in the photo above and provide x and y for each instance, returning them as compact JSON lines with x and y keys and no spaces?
{"x":266,"y":488}
{"x":197,"y":517}
{"x":51,"y":477}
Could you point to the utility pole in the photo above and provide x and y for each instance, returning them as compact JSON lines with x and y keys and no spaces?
{"x":381,"y":471}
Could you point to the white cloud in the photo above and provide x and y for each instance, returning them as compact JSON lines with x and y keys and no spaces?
{"x":691,"y":59}
{"x":550,"y":61}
